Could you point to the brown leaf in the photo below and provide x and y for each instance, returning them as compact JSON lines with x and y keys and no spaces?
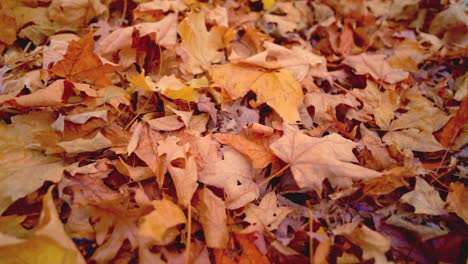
{"x":257,"y":152}
{"x":81,"y":63}
{"x":450,"y":131}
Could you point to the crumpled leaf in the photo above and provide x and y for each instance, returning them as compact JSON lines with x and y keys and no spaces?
{"x":376,"y":66}
{"x":456,"y":200}
{"x":454,"y":127}
{"x":381,"y":104}
{"x":408,"y":55}
{"x":200,"y":45}
{"x":81,"y":63}
{"x":315,"y":159}
{"x":424,"y":198}
{"x":267,"y":215}
{"x":161,"y":223}
{"x":48,"y":243}
{"x":413,"y":129}
{"x":74,"y":13}
{"x":233,"y":173}
{"x":278,"y":89}
{"x":213,"y":218}
{"x":373,"y":244}
{"x":323,"y":102}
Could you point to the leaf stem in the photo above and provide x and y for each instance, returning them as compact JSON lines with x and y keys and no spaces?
{"x":274,"y":175}
{"x":189,"y":235}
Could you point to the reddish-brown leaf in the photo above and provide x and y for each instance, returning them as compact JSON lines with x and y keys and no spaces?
{"x":80,"y":63}
{"x":449,"y":132}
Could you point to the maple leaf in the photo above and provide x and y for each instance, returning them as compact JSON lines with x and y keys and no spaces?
{"x":323,"y":102}
{"x":424,"y":198}
{"x":297,"y":60}
{"x":413,"y":129}
{"x":376,"y":66}
{"x":200,"y":45}
{"x":79,"y":145}
{"x":256,"y":151}
{"x":314,"y":159}
{"x":160,"y":224}
{"x":234,"y":174}
{"x":381,"y":104}
{"x":48,"y":243}
{"x":278,"y":89}
{"x":213,"y":218}
{"x":407,"y":55}
{"x":81,"y":63}
{"x":373,"y":244}
{"x":267,"y":215}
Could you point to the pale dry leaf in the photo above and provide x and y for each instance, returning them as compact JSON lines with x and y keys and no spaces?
{"x":373,"y":244}
{"x":424,"y":198}
{"x":267,"y":215}
{"x":376,"y":66}
{"x":80,"y":145}
{"x":315,"y":159}
{"x":234,"y":174}
{"x":213,"y":218}
{"x":457,"y":199}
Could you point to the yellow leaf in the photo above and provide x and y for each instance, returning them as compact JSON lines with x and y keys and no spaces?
{"x":142,"y":81}
{"x":47,"y":244}
{"x":278,"y":89}
{"x":23,"y":170}
{"x":161,"y":223}
{"x":201,"y":46}
{"x":268,"y":4}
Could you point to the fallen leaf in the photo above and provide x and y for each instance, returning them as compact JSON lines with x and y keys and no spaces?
{"x":278,"y":89}
{"x":81,"y":63}
{"x":213,"y":218}
{"x":456,"y":200}
{"x":381,"y":104}
{"x":200,"y":45}
{"x":257,"y":152}
{"x":233,"y":173}
{"x":267,"y":215}
{"x":48,"y":243}
{"x":315,"y":159}
{"x":182,"y":167}
{"x":161,"y":223}
{"x":19,"y":163}
{"x":373,"y":244}
{"x":424,"y":198}
{"x":447,"y":135}
{"x":376,"y":66}
{"x":79,"y":145}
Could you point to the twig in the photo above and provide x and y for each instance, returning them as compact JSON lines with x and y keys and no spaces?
{"x":189,"y":235}
{"x":274,"y":175}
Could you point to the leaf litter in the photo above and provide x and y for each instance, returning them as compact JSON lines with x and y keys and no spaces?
{"x":254,"y":131}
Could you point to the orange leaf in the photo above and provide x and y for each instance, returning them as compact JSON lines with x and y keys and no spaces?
{"x":250,"y":252}
{"x":450,"y":131}
{"x":81,"y":63}
{"x":254,"y":150}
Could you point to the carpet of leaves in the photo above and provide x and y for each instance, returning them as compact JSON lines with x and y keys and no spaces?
{"x":261,"y":131}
